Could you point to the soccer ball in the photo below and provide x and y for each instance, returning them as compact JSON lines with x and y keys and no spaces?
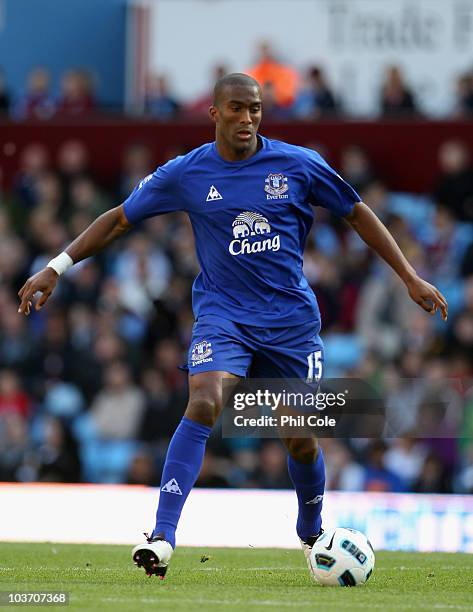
{"x":342,"y":557}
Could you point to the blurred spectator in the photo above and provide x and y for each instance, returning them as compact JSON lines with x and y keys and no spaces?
{"x":37,"y":103}
{"x":454,"y":187}
{"x":142,"y":470}
{"x":168,"y":358}
{"x":143,"y":272}
{"x":85,"y":197}
{"x":81,"y":324}
{"x":63,"y":401}
{"x":182,"y":245}
{"x":159,"y":101}
{"x":273,"y":110}
{"x":77,"y":97}
{"x":464,"y":479}
{"x":117,"y":410}
{"x":16,"y":343}
{"x":73,"y":160}
{"x":467,"y":262}
{"x":377,"y":476}
{"x":200,"y":106}
{"x":163,"y":407}
{"x":15,"y":448}
{"x":213,"y":471}
{"x":272,"y":470}
{"x":137,"y":163}
{"x":463,"y":108}
{"x":89,"y":362}
{"x":34,"y":161}
{"x":12,"y":397}
{"x":282,"y":77}
{"x":343,"y":473}
{"x":433,"y":477}
{"x":5,"y":99}
{"x":244,"y":463}
{"x":85,"y":286}
{"x":446,"y":242}
{"x":397,"y":100}
{"x":316,"y":99}
{"x":13,"y":258}
{"x":374,"y":192}
{"x":461,"y":337}
{"x":58,"y":455}
{"x":356,"y":168}
{"x":405,"y":458}
{"x":53,"y":356}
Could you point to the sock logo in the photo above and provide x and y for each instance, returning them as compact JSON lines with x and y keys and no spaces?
{"x":317,"y":499}
{"x":172,"y":487}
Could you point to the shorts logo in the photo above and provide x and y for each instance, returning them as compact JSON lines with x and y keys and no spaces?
{"x":201,"y":352}
{"x":252,"y":224}
{"x":276,"y":186}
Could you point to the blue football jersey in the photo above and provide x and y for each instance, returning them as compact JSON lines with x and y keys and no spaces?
{"x":250,"y":219}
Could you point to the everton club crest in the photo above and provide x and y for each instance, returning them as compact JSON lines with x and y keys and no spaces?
{"x":276,"y":186}
{"x":201,"y":352}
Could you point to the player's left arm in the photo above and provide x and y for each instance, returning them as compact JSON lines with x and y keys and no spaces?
{"x":372,"y":231}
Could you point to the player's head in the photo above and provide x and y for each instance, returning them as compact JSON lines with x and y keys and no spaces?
{"x":236,"y":111}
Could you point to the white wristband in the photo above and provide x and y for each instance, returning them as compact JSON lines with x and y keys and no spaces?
{"x":61,"y":263}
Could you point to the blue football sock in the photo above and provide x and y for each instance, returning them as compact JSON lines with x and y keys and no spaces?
{"x":181,"y":468}
{"x":309,"y":482}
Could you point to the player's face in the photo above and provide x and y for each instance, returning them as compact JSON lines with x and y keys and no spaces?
{"x":237,"y":117}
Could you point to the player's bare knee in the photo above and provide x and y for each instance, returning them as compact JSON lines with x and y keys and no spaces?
{"x":303,"y":450}
{"x":203,"y":409}
{"x":205,"y":397}
{"x":205,"y":400}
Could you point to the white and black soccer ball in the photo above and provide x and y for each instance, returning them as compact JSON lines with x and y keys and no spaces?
{"x":342,"y":557}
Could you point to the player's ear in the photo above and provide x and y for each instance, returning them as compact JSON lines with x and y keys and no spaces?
{"x":213,"y":112}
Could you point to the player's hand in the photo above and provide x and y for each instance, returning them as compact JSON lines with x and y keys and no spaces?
{"x":44,"y":282}
{"x":427,"y":296}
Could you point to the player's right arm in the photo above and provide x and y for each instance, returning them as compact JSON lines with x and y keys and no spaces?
{"x":104,"y":230}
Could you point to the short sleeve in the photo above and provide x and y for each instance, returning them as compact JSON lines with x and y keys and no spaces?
{"x":327,"y":188}
{"x":156,"y":194}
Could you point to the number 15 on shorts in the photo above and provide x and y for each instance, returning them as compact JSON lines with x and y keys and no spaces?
{"x":314,"y":370}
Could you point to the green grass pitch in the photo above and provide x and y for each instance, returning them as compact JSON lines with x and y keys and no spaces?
{"x":104,"y":578}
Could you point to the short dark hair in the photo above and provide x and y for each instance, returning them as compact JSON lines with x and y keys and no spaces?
{"x":233,"y":79}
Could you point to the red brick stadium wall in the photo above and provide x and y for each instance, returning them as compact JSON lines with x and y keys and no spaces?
{"x":404,"y":153}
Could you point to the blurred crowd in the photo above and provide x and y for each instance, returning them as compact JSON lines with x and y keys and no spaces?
{"x":288,"y":94}
{"x":77,"y":97}
{"x":90,"y":386}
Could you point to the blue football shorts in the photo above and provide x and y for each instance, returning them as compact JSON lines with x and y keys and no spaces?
{"x":256,"y":352}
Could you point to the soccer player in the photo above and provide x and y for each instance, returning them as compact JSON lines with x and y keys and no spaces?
{"x":250,"y":202}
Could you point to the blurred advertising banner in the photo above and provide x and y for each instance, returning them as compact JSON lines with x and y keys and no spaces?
{"x":118,"y":514}
{"x":352,"y":40}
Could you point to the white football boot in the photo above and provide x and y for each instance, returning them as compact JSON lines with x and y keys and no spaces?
{"x":307,"y":549}
{"x":153,"y":555}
